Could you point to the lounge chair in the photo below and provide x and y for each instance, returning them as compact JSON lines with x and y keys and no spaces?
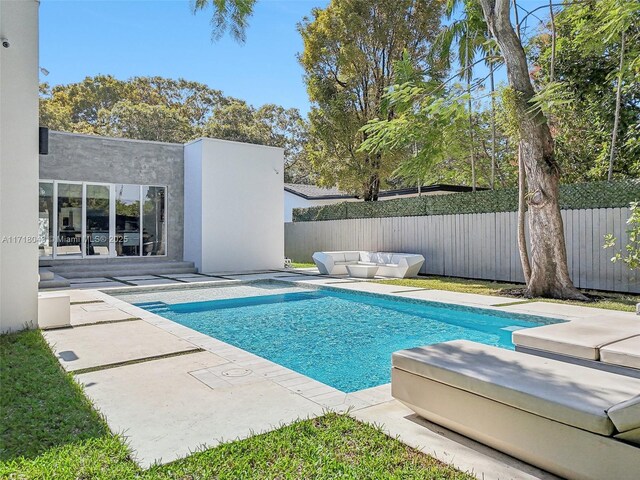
{"x":395,"y":265}
{"x":571,"y":420}
{"x":591,"y":343}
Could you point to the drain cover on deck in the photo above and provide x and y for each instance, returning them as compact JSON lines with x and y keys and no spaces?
{"x":236,"y":372}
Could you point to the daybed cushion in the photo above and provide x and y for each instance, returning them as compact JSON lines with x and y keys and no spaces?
{"x":626,"y":415}
{"x":625,"y":353}
{"x":567,"y":393}
{"x":582,"y":339}
{"x":631,"y":436}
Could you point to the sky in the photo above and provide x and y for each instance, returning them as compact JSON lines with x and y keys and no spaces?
{"x":163,"y":37}
{"x":127,"y":38}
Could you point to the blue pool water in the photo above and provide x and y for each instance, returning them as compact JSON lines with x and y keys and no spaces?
{"x":339,"y":338}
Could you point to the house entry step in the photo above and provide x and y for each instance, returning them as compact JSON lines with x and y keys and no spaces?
{"x":121,"y":269}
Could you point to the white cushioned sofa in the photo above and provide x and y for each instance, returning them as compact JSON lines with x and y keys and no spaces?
{"x":571,"y":420}
{"x":395,"y":265}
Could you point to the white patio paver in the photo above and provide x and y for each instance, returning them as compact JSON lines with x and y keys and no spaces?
{"x":470,"y":299}
{"x":82,"y":296}
{"x":90,"y":313}
{"x":107,"y":344}
{"x":106,"y":284}
{"x":363,"y":286}
{"x":166,"y":413}
{"x":570,"y":312}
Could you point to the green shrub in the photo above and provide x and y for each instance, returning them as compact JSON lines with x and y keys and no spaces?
{"x":572,"y":197}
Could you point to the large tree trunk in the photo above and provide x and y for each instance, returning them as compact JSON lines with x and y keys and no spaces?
{"x":522,"y":208}
{"x":373,"y":185}
{"x":549,"y":272}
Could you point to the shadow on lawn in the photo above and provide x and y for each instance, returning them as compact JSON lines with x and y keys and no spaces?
{"x":40,"y":406}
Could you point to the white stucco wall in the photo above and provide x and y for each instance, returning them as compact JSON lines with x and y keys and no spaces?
{"x":18,"y":165}
{"x":236,"y":192}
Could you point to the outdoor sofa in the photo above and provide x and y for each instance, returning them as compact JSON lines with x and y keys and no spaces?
{"x":395,"y":265}
{"x":571,"y":420}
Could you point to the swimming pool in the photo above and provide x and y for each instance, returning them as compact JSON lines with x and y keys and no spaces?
{"x":342,"y":339}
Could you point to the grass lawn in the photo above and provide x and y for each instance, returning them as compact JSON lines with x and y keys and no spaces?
{"x":302,"y":265}
{"x":610,"y":301}
{"x":48,"y":429}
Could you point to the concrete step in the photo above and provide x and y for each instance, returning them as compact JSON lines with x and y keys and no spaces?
{"x":106,"y":266}
{"x":45,"y":274}
{"x":56,"y":282}
{"x":125,"y":272}
{"x":121,"y":269}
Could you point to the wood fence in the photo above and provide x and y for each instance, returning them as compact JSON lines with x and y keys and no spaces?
{"x":480,"y":245}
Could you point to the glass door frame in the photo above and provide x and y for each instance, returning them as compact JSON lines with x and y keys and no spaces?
{"x":56,"y":236}
{"x":112,"y":219}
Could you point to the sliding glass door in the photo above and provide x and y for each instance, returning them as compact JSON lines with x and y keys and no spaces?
{"x":97,"y":220}
{"x":69,"y":237}
{"x":153,"y":219}
{"x":92,"y":220}
{"x":45,"y":220}
{"x":128,"y":220}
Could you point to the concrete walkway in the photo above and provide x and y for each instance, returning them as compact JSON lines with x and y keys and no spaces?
{"x":171,"y":390}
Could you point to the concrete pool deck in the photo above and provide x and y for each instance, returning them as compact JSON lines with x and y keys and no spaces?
{"x":171,"y":390}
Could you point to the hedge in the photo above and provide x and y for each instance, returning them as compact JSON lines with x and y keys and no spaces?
{"x":572,"y":197}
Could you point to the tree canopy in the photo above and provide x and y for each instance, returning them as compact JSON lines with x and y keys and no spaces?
{"x":168,"y":110}
{"x":349,"y":57}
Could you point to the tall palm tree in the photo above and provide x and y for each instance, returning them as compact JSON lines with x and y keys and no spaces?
{"x":470,"y":33}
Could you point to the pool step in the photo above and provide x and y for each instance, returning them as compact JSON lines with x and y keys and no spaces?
{"x":153,"y":307}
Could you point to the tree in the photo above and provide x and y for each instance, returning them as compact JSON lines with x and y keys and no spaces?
{"x":268,"y":125}
{"x":143,"y":121}
{"x":549,"y":272}
{"x":350,"y":49}
{"x":594,"y":84}
{"x":228,"y":15}
{"x":169,"y":110}
{"x":631,"y":256}
{"x":79,"y":107}
{"x":470,"y":33}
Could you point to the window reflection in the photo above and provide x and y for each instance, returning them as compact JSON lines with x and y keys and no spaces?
{"x":153,"y":222}
{"x":97,"y":222}
{"x":90,"y":220}
{"x":69,"y":219}
{"x":127,"y":220}
{"x":45,"y":220}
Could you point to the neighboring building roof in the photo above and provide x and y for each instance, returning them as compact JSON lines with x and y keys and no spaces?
{"x":438,"y":187}
{"x":313,"y":192}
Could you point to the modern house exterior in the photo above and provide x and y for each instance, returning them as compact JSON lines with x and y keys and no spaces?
{"x":304,"y":196}
{"x":114,"y":200}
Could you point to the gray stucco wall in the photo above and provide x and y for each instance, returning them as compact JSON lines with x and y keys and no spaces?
{"x":91,"y":158}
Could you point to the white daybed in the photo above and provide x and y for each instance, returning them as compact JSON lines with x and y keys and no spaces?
{"x":395,"y":265}
{"x":612,"y":346}
{"x":571,"y":420}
